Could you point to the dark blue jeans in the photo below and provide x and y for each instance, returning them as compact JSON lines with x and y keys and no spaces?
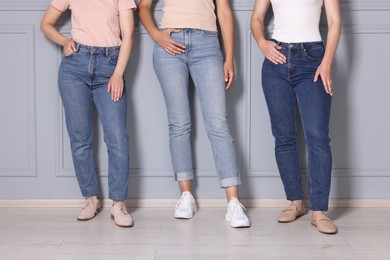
{"x":82,"y":78}
{"x":284,"y":86}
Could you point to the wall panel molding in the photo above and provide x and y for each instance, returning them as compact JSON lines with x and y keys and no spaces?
{"x":28,"y":32}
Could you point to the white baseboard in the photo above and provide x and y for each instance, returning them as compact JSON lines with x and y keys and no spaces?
{"x":163,"y":203}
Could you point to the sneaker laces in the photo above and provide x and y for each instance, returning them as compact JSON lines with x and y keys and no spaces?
{"x":184,"y":200}
{"x":238,"y":208}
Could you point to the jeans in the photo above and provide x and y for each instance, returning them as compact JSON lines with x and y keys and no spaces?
{"x":83,"y":77}
{"x":284,"y":85}
{"x":202,"y":61}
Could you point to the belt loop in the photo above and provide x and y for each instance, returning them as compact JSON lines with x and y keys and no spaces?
{"x":107,"y":51}
{"x":302,"y":46}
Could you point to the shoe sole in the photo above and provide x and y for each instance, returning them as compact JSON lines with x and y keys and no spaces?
{"x":324,"y":232}
{"x":241,"y":225}
{"x":123,"y":226}
{"x":186,"y":216}
{"x":288,"y":221}
{"x":96,"y":213}
{"x":182,"y":217}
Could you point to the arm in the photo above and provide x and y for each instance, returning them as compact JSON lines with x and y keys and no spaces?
{"x":115,"y":84}
{"x":269,"y":48}
{"x":332,"y":8}
{"x":163,"y":38}
{"x":50,"y":31}
{"x":225,"y":18}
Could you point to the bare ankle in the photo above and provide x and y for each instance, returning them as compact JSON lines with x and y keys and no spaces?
{"x":297,"y":203}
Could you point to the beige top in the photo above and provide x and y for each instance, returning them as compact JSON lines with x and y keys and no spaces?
{"x":195,"y":14}
{"x":95,"y":22}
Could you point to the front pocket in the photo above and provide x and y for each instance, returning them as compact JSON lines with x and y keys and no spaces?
{"x":209,"y":33}
{"x":113,"y":58}
{"x":315,"y":53}
{"x":70,"y":55}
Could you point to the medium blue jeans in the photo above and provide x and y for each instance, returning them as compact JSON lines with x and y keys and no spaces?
{"x":284,"y":85}
{"x":202,"y":61}
{"x":83,"y":77}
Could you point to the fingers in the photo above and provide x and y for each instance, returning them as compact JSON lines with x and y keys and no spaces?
{"x":171,"y":46}
{"x":316,"y":75}
{"x":229,"y":76}
{"x":328,"y":86}
{"x":116,"y":93}
{"x":326,"y":80}
{"x":115,"y":86}
{"x":69,"y":47}
{"x":273,"y":53}
{"x":174,"y":48}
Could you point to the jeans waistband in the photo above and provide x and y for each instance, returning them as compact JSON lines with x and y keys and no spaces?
{"x":96,"y":50}
{"x":298,"y":45}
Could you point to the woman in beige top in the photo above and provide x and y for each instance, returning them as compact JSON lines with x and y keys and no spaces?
{"x":187,"y":45}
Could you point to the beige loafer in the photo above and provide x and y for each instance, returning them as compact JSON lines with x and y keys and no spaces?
{"x":324,"y":225}
{"x":291,"y":213}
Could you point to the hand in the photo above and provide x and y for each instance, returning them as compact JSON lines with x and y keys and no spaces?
{"x":271,"y":51}
{"x":69,"y":47}
{"x":168,"y":44}
{"x":325,"y":72}
{"x":115,"y":86}
{"x":228,"y":70}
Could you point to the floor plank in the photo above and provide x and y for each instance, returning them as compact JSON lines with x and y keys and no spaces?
{"x":54,"y":233}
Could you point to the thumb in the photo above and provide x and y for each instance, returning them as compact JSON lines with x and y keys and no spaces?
{"x":226,"y":74}
{"x":73,"y":46}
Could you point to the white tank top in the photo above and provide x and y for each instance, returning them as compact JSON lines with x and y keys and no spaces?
{"x":297,"y":20}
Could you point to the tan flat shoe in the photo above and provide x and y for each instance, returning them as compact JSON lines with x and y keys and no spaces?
{"x":324,"y":225}
{"x":291,"y":213}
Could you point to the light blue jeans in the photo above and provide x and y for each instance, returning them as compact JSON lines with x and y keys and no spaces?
{"x":82,"y":80}
{"x":202,"y":61}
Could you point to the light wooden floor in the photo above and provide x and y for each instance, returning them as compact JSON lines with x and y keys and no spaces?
{"x":54,"y":233}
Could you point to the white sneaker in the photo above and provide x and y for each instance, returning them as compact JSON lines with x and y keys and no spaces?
{"x":90,"y":209}
{"x":236,"y":214}
{"x":185,"y":207}
{"x":120,"y":215}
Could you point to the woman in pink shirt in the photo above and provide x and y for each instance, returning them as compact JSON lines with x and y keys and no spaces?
{"x":91,"y":72}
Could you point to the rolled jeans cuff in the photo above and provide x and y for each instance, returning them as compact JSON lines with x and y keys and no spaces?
{"x":184,"y":176}
{"x":229,"y":182}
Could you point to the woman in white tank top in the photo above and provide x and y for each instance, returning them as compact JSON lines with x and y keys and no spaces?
{"x":297,"y":70}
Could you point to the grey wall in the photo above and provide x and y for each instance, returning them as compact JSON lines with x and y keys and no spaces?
{"x":35,"y":159}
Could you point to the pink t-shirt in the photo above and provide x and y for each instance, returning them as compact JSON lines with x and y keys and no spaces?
{"x":95,"y":22}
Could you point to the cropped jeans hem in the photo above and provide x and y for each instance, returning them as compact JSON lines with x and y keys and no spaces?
{"x":184,"y":176}
{"x":230,"y":182}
